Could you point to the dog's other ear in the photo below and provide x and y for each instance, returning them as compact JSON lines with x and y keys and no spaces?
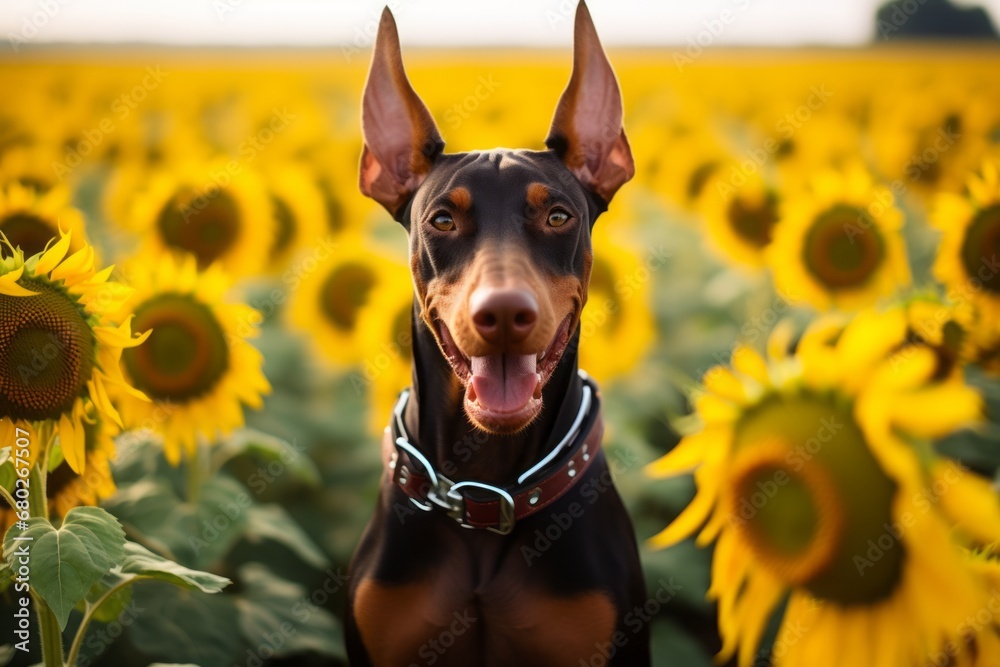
{"x":401,"y":140}
{"x":587,"y":131}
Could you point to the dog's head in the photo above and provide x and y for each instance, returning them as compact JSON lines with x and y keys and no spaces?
{"x":499,"y":240}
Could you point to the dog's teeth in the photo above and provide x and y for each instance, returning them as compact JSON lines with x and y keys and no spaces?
{"x":538,"y":388}
{"x":542,"y":355}
{"x":471,"y":393}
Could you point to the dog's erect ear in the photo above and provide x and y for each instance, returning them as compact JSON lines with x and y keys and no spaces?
{"x":587,"y":128}
{"x":401,"y":140}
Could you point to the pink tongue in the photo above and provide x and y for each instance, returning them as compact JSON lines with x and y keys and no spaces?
{"x":504,"y":382}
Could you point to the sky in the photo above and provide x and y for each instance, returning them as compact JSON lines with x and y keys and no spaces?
{"x":441,"y":22}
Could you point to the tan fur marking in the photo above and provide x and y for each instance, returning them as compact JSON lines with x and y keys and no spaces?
{"x":393,"y":638}
{"x":418,"y":283}
{"x":538,"y":195}
{"x":461,"y":199}
{"x":567,"y":294}
{"x":562,"y":632}
{"x":534,"y":629}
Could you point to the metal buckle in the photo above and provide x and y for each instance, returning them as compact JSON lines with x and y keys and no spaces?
{"x":457,"y":511}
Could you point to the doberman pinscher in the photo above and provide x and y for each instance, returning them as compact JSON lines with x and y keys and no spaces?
{"x":498,"y":538}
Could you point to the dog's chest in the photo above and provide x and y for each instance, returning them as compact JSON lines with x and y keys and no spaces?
{"x":447,"y":620}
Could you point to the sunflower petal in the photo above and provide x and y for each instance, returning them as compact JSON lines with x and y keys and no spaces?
{"x":968,"y":500}
{"x":9,"y":286}
{"x":73,"y":442}
{"x":937,"y":411}
{"x":721,"y":382}
{"x":684,"y":457}
{"x":50,"y":258}
{"x":868,"y":340}
{"x":691,"y":517}
{"x":749,"y":362}
{"x":71,"y":268}
{"x":99,"y":395}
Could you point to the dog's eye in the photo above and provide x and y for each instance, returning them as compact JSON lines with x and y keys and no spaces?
{"x":443,"y":222}
{"x":558,"y":218}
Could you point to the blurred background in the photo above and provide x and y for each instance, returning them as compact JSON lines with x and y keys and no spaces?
{"x":119,"y":114}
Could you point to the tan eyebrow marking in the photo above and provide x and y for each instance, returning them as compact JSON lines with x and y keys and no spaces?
{"x":460,"y":198}
{"x":538,"y":194}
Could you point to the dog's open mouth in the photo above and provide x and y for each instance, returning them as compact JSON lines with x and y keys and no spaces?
{"x":503,"y":392}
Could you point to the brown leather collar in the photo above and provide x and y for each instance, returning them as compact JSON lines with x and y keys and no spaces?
{"x":497,"y":508}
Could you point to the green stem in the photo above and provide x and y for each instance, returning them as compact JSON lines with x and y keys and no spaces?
{"x":196,"y":465}
{"x":38,"y":499}
{"x":48,"y":629}
{"x":38,"y":506}
{"x":81,"y":632}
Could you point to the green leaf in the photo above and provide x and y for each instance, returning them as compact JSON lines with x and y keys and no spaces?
{"x":196,"y":535}
{"x":683,"y":564}
{"x":139,"y":455}
{"x":186,"y":626}
{"x":112,"y":607}
{"x":277,"y":457}
{"x":141,"y":561}
{"x":56,"y":457}
{"x":100,"y":531}
{"x":7,"y":473}
{"x":672,"y":646}
{"x":279,"y":614}
{"x":272,"y":522}
{"x":64,"y":564}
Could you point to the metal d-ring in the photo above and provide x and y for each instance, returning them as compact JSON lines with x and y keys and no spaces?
{"x":414,"y":453}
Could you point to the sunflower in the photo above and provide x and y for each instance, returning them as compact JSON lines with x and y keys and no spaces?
{"x":30,"y":164}
{"x":676,"y":162}
{"x":838,"y":244}
{"x":831,"y":140}
{"x":967,"y":260}
{"x":218,"y":211}
{"x":986,"y":349}
{"x":818,"y":484}
{"x":739,"y":220}
{"x":347,"y":210}
{"x":299,"y":212}
{"x":147,"y":150}
{"x":197,"y":367}
{"x":930,"y":136}
{"x":328,"y":303}
{"x":947,"y":330}
{"x":616,"y":326}
{"x":59,"y":351}
{"x":30,"y":219}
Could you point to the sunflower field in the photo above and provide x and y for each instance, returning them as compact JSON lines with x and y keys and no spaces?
{"x":794,"y":316}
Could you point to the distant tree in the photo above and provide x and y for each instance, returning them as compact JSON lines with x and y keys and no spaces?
{"x":932,"y":19}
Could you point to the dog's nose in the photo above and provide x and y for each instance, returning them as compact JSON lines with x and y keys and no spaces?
{"x":503,"y":316}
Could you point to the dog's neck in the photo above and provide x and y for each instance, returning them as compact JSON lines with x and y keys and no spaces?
{"x":436,"y":419}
